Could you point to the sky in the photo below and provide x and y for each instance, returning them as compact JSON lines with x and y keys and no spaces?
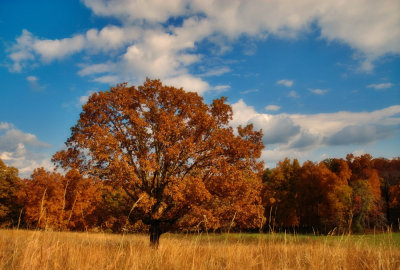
{"x":320,"y":78}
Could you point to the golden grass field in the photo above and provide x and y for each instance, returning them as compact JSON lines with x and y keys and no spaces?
{"x":20,"y":249}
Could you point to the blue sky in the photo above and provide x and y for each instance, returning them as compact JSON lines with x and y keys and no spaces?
{"x":320,"y":78}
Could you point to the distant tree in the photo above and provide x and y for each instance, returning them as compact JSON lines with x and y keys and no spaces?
{"x":176,"y":157}
{"x":81,"y":199}
{"x":52,"y":200}
{"x":366,"y":185}
{"x":389,"y":173}
{"x":43,"y":199}
{"x":394,"y":204}
{"x":340,"y":195}
{"x":280,"y":194}
{"x":10,"y":185}
{"x":313,"y":190}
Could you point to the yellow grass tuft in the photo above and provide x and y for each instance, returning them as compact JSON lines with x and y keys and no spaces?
{"x":67,"y":250}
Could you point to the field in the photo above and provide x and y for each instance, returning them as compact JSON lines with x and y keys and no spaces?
{"x":66,"y":250}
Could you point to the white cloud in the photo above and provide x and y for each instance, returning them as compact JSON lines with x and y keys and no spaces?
{"x":216,"y":71}
{"x":84,"y":99}
{"x":361,"y":134}
{"x":285,"y":82}
{"x":188,"y":83}
{"x":293,"y":94}
{"x":152,"y":10}
{"x":34,"y":83}
{"x":108,"y":79}
{"x":221,"y":88}
{"x":22,"y":150}
{"x":319,"y":91}
{"x":146,"y":45}
{"x":32,"y":78}
{"x":380,"y":86}
{"x":111,"y":37}
{"x":21,"y":52}
{"x":300,"y":135}
{"x":87,"y":69}
{"x":50,"y":50}
{"x":272,"y":107}
{"x":276,"y":128}
{"x":250,"y":91}
{"x":304,"y":140}
{"x":5,"y":125}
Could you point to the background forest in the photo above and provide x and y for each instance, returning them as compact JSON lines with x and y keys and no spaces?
{"x":357,"y":193}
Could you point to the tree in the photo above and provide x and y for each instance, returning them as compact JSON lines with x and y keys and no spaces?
{"x":366,"y":185}
{"x":389,"y":173}
{"x":323,"y":196}
{"x":394,"y":204}
{"x":52,"y":200}
{"x":43,"y":199}
{"x":279,"y":195}
{"x":10,"y":184}
{"x":340,"y":195}
{"x":82,"y":197}
{"x":176,"y":157}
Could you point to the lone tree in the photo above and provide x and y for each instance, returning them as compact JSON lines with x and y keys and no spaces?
{"x":176,"y":157}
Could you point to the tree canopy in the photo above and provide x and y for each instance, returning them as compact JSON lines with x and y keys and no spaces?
{"x":176,"y":157}
{"x":10,"y":185}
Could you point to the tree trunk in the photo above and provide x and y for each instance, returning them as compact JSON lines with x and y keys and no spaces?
{"x":155,"y":233}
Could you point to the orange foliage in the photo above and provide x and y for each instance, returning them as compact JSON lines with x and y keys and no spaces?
{"x":59,"y":202}
{"x":171,"y":153}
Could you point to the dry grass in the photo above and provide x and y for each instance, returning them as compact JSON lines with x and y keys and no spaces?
{"x":65,"y":250}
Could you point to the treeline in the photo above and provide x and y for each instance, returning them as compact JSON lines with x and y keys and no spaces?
{"x":356,"y":193}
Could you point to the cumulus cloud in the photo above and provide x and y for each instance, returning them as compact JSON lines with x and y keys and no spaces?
{"x":304,"y":141}
{"x":297,"y":135}
{"x":152,"y":11}
{"x":361,"y":134}
{"x":22,"y":150}
{"x":146,"y":44}
{"x":276,"y":128}
{"x":287,"y":83}
{"x":380,"y":86}
{"x":189,"y":83}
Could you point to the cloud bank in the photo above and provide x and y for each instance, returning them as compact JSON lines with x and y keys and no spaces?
{"x":295,"y":135}
{"x":22,"y":150}
{"x":146,"y":43}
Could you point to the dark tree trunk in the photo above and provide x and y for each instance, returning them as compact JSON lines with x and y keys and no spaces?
{"x":155,"y":233}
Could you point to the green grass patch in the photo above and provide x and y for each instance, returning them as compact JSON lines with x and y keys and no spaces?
{"x":379,"y":239}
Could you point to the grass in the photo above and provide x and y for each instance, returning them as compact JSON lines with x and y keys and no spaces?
{"x":378,"y":239}
{"x":66,"y":250}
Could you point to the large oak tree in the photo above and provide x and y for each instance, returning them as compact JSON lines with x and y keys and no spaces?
{"x":176,"y":157}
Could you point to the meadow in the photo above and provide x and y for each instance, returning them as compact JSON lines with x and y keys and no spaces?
{"x":23,"y":249}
